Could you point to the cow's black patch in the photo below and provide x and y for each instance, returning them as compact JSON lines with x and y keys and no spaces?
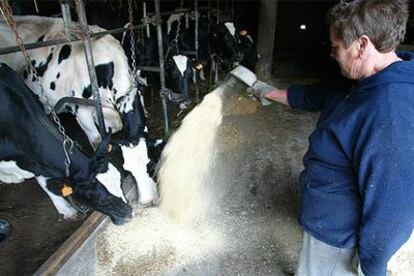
{"x":33,"y":62}
{"x":87,"y":92}
{"x":41,"y":38}
{"x":52,"y":85}
{"x":58,"y":75}
{"x":64,"y":53}
{"x":41,"y":69}
{"x":25,"y":74}
{"x":72,"y":93}
{"x":115,"y":91}
{"x":33,"y":79}
{"x":105,"y":74}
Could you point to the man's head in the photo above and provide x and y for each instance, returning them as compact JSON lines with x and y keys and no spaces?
{"x":363,"y":26}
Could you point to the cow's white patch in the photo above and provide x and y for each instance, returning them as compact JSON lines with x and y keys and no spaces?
{"x":111,"y":179}
{"x":141,"y":80}
{"x":158,"y":142}
{"x":172,"y":19}
{"x":230,"y":27}
{"x":181,"y":62}
{"x":62,"y":206}
{"x":135,"y":161}
{"x":11,"y":173}
{"x":202,"y":75}
{"x":126,"y":104}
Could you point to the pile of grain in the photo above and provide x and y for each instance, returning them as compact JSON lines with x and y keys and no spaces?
{"x":153,"y":244}
{"x":184,"y":175}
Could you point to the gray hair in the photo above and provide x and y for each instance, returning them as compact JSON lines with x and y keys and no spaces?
{"x":383,"y":21}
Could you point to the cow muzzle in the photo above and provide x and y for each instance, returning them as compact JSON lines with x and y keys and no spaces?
{"x":118,"y":211}
{"x":176,"y":98}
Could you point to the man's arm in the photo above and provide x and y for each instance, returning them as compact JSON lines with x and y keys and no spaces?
{"x":279,"y":96}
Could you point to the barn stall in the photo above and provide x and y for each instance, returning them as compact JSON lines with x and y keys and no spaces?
{"x":251,"y":225}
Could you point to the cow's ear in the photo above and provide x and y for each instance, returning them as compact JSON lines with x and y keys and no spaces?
{"x":59,"y":186}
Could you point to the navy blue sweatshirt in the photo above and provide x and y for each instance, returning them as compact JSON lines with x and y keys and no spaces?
{"x":357,"y":188}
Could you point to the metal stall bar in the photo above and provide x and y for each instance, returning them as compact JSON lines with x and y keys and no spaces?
{"x":41,"y":44}
{"x":67,"y":19}
{"x":197,"y":88}
{"x":150,"y":14}
{"x":161,"y":60}
{"x":91,"y":65}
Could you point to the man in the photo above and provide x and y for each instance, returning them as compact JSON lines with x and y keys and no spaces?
{"x":357,"y":187}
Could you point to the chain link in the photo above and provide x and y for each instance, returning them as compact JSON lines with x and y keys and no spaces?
{"x":132,"y":38}
{"x":67,"y":141}
{"x":177,"y":34}
{"x":174,"y":43}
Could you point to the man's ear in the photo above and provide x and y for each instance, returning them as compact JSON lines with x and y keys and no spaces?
{"x":59,"y":186}
{"x":363,"y":42}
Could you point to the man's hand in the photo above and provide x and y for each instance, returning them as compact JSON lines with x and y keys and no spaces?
{"x":260,"y":89}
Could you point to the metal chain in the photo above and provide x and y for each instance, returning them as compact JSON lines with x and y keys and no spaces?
{"x":177,"y":33}
{"x":132,"y":38}
{"x":174,"y":43}
{"x":67,"y":141}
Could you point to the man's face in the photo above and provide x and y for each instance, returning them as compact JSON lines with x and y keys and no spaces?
{"x":347,"y":58}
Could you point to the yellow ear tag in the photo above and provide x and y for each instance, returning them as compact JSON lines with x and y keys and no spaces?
{"x":67,"y":190}
{"x":199,"y":66}
{"x":243,"y":32}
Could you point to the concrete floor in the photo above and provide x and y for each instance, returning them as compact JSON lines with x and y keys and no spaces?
{"x":252,"y":229}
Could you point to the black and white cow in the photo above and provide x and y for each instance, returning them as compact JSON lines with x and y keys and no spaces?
{"x":63,"y":73}
{"x":221,"y":43}
{"x":31,"y":146}
{"x":178,"y":67}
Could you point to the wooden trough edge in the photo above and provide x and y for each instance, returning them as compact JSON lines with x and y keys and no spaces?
{"x":81,"y":235}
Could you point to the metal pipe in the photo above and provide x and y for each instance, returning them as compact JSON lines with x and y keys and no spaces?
{"x":144,"y":7}
{"x":189,"y":53}
{"x":149,"y":68}
{"x":162,"y":72}
{"x":91,"y":65}
{"x":67,"y":18}
{"x":197,"y":88}
{"x":41,"y":44}
{"x":177,"y":11}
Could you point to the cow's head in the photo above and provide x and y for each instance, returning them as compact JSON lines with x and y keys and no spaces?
{"x":100,"y":190}
{"x":247,"y":49}
{"x":133,"y":117}
{"x":179,"y":72}
{"x":224,"y":43}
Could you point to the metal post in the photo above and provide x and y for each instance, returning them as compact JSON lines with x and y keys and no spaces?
{"x":67,"y":19}
{"x":162,"y":72}
{"x":266,"y":37}
{"x":91,"y":65}
{"x":144,"y":7}
{"x":197,"y":89}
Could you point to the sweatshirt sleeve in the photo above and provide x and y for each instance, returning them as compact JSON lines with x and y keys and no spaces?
{"x":386,"y":180}
{"x":307,"y":97}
